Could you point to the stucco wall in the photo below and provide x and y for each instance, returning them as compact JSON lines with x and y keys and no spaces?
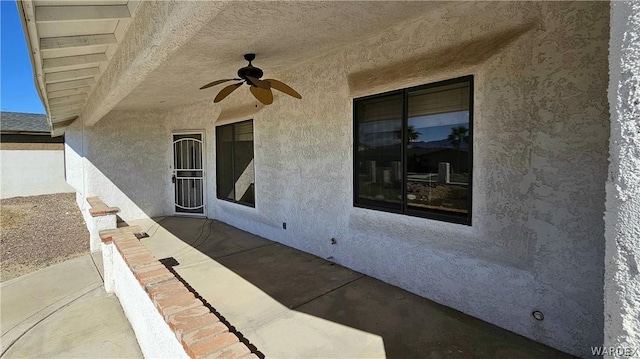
{"x":32,"y":172}
{"x":123,"y":159}
{"x":126,"y":159}
{"x":540,"y":163}
{"x":622,"y":217}
{"x":541,"y":129}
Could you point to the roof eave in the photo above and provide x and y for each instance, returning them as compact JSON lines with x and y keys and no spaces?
{"x":27,"y":18}
{"x":31,"y":133}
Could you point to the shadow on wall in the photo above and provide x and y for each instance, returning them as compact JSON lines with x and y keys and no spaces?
{"x":409,"y":326}
{"x":460,"y":55}
{"x":123,"y":160}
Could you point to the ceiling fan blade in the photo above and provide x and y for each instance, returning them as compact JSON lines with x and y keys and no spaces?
{"x":262,"y":84}
{"x":263,"y":95}
{"x":282,"y":87}
{"x":211,"y":84}
{"x":226,"y":91}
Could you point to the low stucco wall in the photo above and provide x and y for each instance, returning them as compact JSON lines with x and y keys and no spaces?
{"x":32,"y":172}
{"x":154,"y":336}
{"x":540,"y":162}
{"x":95,"y":225}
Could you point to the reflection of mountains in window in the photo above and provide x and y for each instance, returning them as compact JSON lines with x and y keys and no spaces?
{"x":457,"y":137}
{"x":440,"y":126}
{"x":387,"y":134}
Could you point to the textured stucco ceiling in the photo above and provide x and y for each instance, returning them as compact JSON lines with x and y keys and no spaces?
{"x":281,"y":34}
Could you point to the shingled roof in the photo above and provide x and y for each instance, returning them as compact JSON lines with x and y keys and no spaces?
{"x":23,"y":122}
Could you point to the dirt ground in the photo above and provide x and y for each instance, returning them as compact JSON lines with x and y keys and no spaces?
{"x":38,"y":231}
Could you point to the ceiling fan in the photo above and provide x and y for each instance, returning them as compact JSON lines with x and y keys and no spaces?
{"x":261,"y":89}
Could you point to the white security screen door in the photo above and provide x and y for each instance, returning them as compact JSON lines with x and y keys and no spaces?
{"x":188,"y":174}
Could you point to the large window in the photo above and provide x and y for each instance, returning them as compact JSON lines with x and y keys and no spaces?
{"x":235,"y":176}
{"x":413,"y":151}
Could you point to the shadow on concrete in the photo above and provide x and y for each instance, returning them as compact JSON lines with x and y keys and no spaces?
{"x":172,"y":262}
{"x":409,"y":326}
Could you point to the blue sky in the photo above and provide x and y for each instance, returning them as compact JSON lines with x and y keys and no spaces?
{"x":17,"y":88}
{"x":438,"y":127}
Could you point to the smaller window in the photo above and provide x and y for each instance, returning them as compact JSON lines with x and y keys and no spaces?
{"x":235,"y":177}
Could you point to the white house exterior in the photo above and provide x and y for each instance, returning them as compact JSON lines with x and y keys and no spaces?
{"x":553,"y":220}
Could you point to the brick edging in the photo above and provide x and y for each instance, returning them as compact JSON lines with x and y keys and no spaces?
{"x":99,"y":208}
{"x":199,"y":331}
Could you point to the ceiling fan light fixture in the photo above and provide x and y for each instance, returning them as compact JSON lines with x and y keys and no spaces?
{"x":250,"y":75}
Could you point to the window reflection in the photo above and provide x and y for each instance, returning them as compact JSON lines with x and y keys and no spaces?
{"x":234,"y":163}
{"x":416,"y":141}
{"x":379,"y":141}
{"x":438,"y":149}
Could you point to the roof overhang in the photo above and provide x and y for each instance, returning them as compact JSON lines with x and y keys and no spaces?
{"x":25,"y":9}
{"x":30,"y":133}
{"x":70,"y":45}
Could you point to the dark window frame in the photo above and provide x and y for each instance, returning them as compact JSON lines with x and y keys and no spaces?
{"x":233,"y":134}
{"x":379,"y":206}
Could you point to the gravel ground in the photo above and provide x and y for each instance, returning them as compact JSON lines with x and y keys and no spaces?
{"x":38,"y":231}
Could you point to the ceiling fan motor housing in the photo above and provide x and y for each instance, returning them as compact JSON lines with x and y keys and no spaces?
{"x":250,"y":71}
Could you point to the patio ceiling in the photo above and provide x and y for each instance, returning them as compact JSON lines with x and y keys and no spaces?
{"x":177,"y":47}
{"x":71,"y":45}
{"x":282,"y":34}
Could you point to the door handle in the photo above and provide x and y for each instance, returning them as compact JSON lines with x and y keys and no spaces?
{"x":173,"y":179}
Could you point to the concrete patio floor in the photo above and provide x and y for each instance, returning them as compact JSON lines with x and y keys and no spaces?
{"x":63,"y":311}
{"x":290,"y":304}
